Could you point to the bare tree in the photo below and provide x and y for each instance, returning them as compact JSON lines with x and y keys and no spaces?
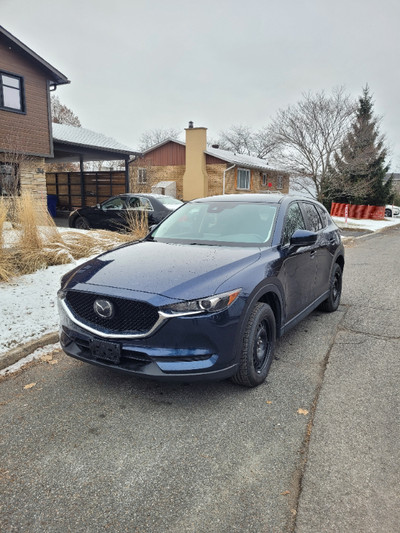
{"x":152,"y":137}
{"x":101,"y":165}
{"x":242,"y":139}
{"x":61,"y":114}
{"x":306,"y":135}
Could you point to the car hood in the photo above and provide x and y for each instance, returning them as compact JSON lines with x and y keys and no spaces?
{"x":179,"y":272}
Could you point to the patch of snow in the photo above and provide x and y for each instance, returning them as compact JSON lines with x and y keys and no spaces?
{"x":28,"y":307}
{"x":366,"y":224}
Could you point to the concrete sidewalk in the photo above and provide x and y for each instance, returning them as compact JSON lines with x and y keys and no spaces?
{"x":351,"y":479}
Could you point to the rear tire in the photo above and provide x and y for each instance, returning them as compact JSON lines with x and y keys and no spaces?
{"x":258,"y":347}
{"x":81,"y":223}
{"x":388,"y":212}
{"x":335,"y":290}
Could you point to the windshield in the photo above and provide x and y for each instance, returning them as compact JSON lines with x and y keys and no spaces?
{"x":219,"y":222}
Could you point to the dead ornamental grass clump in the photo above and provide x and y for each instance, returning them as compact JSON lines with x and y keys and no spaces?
{"x":137,"y":226}
{"x":40,"y":244}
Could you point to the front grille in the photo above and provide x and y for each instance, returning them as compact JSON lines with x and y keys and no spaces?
{"x":130,"y":316}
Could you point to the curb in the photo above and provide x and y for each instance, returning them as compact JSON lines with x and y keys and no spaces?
{"x":14,"y":355}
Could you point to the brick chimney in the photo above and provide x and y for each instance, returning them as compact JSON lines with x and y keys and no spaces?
{"x":195,"y":178}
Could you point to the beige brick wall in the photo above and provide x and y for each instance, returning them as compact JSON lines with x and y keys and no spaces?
{"x":31,"y":172}
{"x":216,"y":173}
{"x":271,"y":178}
{"x":156,"y":174}
{"x":215,"y":179}
{"x":33,"y":178}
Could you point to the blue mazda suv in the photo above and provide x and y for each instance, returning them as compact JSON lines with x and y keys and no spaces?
{"x":207,"y":292}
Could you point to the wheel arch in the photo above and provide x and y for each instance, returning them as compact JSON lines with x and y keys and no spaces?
{"x":340,"y":261}
{"x":270,"y":294}
{"x":272,"y":299}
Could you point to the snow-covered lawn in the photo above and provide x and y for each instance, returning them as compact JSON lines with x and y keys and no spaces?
{"x":28,"y":304}
{"x":364,"y":224}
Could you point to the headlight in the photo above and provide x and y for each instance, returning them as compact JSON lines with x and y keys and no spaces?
{"x":212,"y":304}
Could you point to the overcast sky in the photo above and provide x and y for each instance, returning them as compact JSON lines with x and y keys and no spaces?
{"x":136,"y":65}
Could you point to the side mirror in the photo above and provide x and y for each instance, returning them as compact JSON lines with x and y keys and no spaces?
{"x":302,"y":237}
{"x":98,"y":206}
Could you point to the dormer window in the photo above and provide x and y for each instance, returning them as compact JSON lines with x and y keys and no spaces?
{"x":11,"y":92}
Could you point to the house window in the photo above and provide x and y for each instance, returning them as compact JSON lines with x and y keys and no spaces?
{"x":243,"y":178}
{"x":11,"y":92}
{"x":264,"y":179}
{"x":9,"y":179}
{"x":279,"y":182}
{"x":142,"y":175}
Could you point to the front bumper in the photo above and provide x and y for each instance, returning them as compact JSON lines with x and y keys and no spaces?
{"x":182,"y":349}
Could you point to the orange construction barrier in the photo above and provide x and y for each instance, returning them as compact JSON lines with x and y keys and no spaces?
{"x":374,"y":212}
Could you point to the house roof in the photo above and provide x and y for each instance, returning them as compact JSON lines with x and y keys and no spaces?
{"x":53,"y":74}
{"x":225,"y":155}
{"x":82,"y":137}
{"x":239,"y":159}
{"x":158,"y":145}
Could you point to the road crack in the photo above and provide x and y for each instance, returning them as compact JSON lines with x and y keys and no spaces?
{"x":304,"y":450}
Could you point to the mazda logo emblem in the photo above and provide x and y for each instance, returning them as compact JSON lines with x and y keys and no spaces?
{"x":103,"y":308}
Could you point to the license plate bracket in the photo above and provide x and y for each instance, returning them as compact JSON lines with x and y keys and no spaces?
{"x":109,"y":351}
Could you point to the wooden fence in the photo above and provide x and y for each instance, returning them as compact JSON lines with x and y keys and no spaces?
{"x":73,"y":192}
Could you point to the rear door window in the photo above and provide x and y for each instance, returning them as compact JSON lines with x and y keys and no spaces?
{"x":114,"y":204}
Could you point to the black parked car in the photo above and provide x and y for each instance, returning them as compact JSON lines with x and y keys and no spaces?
{"x":207,"y":292}
{"x":113,"y":214}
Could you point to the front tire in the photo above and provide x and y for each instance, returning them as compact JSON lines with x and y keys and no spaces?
{"x":388,"y":212}
{"x":335,"y":290}
{"x":81,"y":223}
{"x":257,"y":348}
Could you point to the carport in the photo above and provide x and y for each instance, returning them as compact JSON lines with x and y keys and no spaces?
{"x":80,"y":188}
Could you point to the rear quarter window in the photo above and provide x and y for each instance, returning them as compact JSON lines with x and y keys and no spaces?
{"x":325,"y":218}
{"x":314,"y":222}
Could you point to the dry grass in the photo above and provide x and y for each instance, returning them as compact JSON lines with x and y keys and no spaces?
{"x":81,"y":244}
{"x":136,"y":226}
{"x":39,"y":243}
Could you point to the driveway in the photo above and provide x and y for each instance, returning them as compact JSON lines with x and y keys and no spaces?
{"x":314,"y":449}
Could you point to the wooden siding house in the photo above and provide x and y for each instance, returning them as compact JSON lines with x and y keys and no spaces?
{"x":197,"y":170}
{"x":25,"y":120}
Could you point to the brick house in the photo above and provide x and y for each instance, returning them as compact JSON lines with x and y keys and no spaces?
{"x":196,"y":170}
{"x":25,"y":119}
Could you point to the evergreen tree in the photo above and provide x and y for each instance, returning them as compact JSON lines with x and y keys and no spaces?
{"x":359,"y":170}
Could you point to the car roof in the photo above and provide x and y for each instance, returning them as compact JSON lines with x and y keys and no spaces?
{"x":265,"y":198}
{"x":245,"y":198}
{"x":148,"y":195}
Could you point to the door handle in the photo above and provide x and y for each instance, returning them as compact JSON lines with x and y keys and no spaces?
{"x":312,"y":254}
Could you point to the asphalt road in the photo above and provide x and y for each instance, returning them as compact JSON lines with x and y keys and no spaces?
{"x":88,"y":450}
